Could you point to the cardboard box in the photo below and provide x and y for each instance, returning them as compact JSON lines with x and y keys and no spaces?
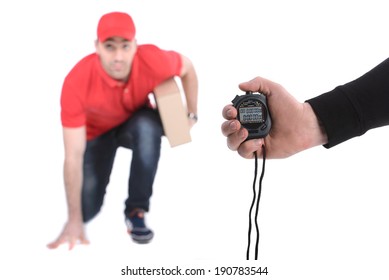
{"x":173,"y":113}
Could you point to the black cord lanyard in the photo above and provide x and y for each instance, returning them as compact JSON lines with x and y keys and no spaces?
{"x":253,"y":202}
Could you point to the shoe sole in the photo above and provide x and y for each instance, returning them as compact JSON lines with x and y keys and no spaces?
{"x":141,"y":239}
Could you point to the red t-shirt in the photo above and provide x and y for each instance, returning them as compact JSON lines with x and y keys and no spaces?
{"x":91,"y":97}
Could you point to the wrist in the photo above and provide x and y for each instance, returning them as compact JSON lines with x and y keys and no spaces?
{"x":75,"y":215}
{"x":316,"y":131}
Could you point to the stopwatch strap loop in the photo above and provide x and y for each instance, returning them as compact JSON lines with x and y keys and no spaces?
{"x":257,"y":200}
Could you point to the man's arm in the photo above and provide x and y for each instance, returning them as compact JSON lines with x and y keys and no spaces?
{"x":74,"y":143}
{"x":328,"y":119}
{"x":356,"y":107}
{"x":190,"y":85}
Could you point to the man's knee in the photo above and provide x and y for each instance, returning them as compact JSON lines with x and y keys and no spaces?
{"x":144,"y":127}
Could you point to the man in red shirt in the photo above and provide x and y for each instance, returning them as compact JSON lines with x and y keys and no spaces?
{"x":105,"y":105}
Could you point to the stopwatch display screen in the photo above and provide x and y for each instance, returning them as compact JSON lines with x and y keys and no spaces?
{"x":251,"y":114}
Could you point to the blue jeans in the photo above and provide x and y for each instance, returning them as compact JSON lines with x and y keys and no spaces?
{"x":142,"y":134}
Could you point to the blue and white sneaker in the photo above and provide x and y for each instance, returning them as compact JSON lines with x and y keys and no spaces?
{"x":137,"y":228}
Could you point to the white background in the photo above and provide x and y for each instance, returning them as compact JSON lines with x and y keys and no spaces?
{"x":323,"y":213}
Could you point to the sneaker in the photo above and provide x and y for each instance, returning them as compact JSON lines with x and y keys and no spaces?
{"x":136,"y":227}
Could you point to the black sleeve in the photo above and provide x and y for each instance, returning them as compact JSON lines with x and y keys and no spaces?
{"x":354,"y":108}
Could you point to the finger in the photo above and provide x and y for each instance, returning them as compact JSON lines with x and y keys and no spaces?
{"x":75,"y":241}
{"x":53,"y":245}
{"x":230,"y":127}
{"x":84,"y":241}
{"x":234,"y":140}
{"x":72,"y":243}
{"x":229,"y":112}
{"x":56,"y":243}
{"x":247,"y":149}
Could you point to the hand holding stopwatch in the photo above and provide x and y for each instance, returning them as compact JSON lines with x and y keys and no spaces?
{"x":253,"y":114}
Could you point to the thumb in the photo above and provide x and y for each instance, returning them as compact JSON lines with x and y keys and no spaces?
{"x":259,"y":84}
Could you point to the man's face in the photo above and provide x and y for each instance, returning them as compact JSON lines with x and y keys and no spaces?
{"x":116,"y":56}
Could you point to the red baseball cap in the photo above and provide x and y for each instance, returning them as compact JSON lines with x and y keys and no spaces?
{"x":115,"y":24}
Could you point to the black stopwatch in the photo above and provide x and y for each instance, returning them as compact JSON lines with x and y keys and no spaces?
{"x":253,"y":114}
